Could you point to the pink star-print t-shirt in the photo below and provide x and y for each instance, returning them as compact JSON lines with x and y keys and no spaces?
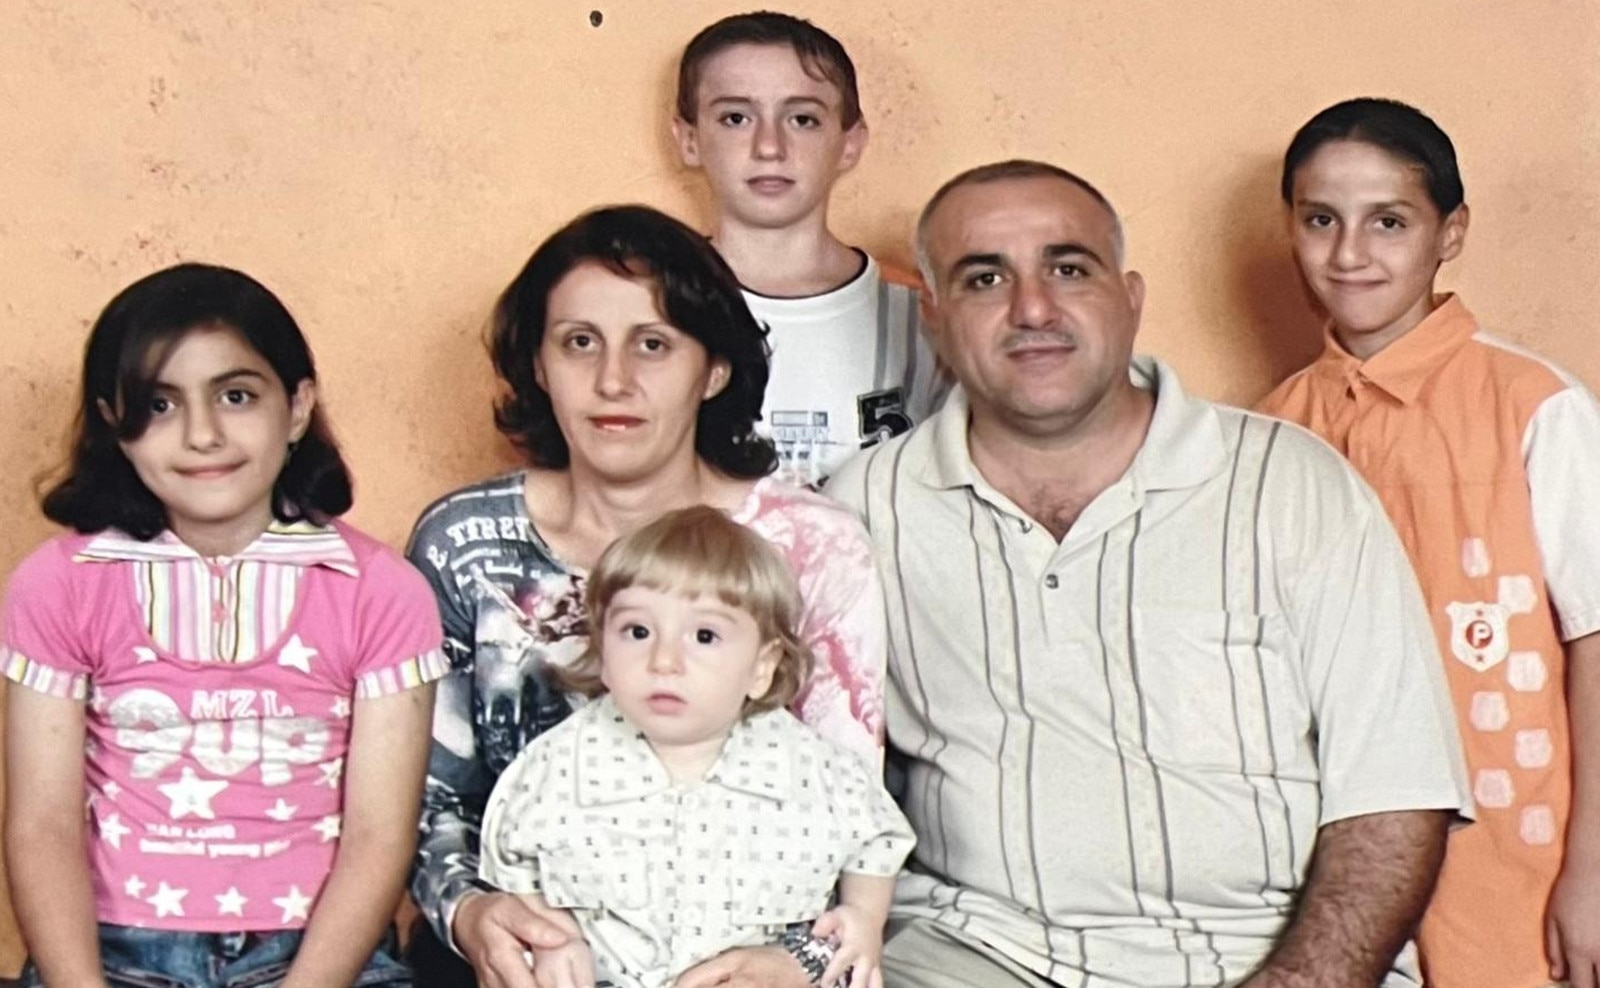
{"x":214,"y":789}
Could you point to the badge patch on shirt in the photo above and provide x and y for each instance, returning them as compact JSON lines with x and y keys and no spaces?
{"x":1478,"y":634}
{"x":882,"y":415}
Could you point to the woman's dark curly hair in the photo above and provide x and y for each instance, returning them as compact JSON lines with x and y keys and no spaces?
{"x":128,"y":347}
{"x":695,"y":292}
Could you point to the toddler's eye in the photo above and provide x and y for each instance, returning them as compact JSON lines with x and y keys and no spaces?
{"x":705,"y":636}
{"x":637,"y":632}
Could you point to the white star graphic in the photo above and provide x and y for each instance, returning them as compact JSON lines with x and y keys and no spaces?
{"x":340,"y":708}
{"x":192,"y":796}
{"x":328,"y":827}
{"x":230,"y":903}
{"x":331,"y":771}
{"x":296,"y":655}
{"x":282,"y":811}
{"x":294,"y":905}
{"x":112,"y":830}
{"x":97,"y":700}
{"x":133,"y":886}
{"x":111,"y":790}
{"x":168,"y":900}
{"x":142,"y":655}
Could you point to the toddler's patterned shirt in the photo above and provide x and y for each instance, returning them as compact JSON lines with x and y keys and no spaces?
{"x":661,"y":876}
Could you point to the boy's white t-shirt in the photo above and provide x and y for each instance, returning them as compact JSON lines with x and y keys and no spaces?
{"x":850,"y":368}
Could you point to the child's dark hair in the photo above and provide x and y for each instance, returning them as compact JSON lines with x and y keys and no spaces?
{"x":695,"y":292}
{"x":1398,"y":128}
{"x":128,"y":347}
{"x":699,"y":551}
{"x":820,"y":54}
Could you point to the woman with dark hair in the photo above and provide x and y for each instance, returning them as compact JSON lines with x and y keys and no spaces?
{"x":634,"y":376}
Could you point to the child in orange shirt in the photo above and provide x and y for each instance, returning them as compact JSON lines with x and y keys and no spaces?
{"x":1483,"y":455}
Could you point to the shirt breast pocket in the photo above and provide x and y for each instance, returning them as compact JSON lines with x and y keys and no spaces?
{"x":1216,"y":691}
{"x":592,"y":878}
{"x":767,"y":895}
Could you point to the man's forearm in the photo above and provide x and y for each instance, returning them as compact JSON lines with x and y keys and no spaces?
{"x":1371,"y":877}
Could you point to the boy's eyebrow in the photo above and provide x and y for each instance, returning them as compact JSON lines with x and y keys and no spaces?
{"x":786,"y":101}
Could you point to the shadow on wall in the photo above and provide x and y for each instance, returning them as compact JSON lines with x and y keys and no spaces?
{"x":1282,"y":329}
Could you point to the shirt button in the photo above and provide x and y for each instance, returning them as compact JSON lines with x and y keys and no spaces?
{"x":1026,"y":526}
{"x":1051,"y":581}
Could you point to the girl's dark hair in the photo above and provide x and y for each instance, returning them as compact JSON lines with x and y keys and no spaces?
{"x":128,"y":347}
{"x":695,"y":292}
{"x":1398,"y":128}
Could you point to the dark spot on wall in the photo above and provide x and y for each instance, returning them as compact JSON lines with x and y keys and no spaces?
{"x":596,"y":18}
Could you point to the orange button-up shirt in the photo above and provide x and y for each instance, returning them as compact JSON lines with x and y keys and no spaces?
{"x":1482,"y":453}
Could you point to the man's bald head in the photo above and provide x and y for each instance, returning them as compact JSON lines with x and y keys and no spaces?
{"x":1000,"y":171}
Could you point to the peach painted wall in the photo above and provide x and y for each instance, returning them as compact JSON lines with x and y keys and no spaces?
{"x":386,"y":167}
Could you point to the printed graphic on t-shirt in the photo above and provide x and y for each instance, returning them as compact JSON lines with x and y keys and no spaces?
{"x":235,"y":775}
{"x":1478,"y":634}
{"x":882,"y":415}
{"x":808,"y":440}
{"x":526,"y":616}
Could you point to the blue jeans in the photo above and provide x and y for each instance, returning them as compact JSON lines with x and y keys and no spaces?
{"x":138,"y":958}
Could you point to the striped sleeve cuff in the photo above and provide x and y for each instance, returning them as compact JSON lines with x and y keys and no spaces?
{"x":45,"y":679}
{"x":413,"y":672}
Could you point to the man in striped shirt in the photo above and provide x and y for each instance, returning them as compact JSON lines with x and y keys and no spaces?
{"x":1161,"y":675}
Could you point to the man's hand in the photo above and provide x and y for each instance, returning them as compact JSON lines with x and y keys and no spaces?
{"x":860,"y":952}
{"x":1572,"y":926}
{"x":495,"y":930}
{"x":569,"y":966}
{"x":747,"y":967}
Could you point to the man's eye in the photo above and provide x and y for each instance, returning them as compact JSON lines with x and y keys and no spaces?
{"x":1391,"y":223}
{"x":1319,"y":221}
{"x":983,"y":279}
{"x":1071,"y":271}
{"x":705,"y":636}
{"x":806,"y":121}
{"x":733,"y":118}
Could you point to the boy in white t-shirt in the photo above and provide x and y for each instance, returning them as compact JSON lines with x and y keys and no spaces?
{"x":767,"y":107}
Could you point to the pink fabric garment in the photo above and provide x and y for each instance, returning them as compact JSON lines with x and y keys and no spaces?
{"x":221,"y":610}
{"x":214,"y":789}
{"x":843,"y":621}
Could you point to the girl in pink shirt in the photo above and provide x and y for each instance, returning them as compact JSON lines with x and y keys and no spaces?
{"x":219,"y":721}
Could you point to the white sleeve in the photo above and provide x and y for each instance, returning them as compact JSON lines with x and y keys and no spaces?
{"x":1561,"y":453}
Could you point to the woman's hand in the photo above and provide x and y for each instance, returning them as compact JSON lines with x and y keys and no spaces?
{"x":859,"y":931}
{"x":495,"y":931}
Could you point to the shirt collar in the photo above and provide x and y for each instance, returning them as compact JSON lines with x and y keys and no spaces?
{"x":1402,"y":367}
{"x":1183,"y":448}
{"x":616,"y":764}
{"x":299,"y":543}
